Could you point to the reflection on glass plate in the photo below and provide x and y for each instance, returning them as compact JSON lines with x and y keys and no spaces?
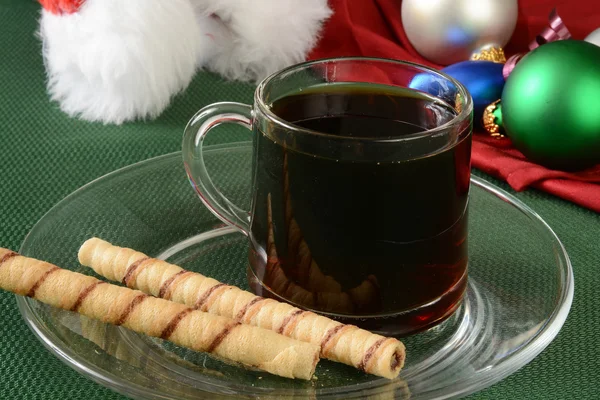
{"x":519,"y":294}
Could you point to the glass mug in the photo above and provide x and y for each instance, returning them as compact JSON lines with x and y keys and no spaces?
{"x":361,"y":172}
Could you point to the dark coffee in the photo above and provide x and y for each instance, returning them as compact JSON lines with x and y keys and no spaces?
{"x":358,"y":238}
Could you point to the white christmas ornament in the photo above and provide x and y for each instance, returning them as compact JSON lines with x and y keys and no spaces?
{"x":115,"y":61}
{"x":449,"y":31}
{"x":594,"y":37}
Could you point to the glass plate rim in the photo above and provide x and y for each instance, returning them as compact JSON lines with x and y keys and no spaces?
{"x":524,"y":355}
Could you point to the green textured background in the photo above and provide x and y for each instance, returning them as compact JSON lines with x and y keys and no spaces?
{"x":44,"y":156}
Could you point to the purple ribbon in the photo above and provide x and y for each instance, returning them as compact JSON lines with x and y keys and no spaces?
{"x":556,"y":30}
{"x":510,"y":64}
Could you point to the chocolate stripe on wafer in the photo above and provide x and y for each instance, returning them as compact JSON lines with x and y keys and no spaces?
{"x":165,"y":286}
{"x":40,"y":281}
{"x":364,"y":362}
{"x":291,"y":325}
{"x":335,"y":336}
{"x":202,"y":299}
{"x":132,"y":268}
{"x":221,"y":336}
{"x":214,"y":296}
{"x":330,"y":333}
{"x":7,"y":257}
{"x":287,"y":320}
{"x":172,"y":325}
{"x":242,"y":313}
{"x":132,"y":305}
{"x":85,"y":293}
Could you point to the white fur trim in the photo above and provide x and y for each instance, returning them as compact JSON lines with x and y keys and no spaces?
{"x":120,"y":60}
{"x":259,"y":37}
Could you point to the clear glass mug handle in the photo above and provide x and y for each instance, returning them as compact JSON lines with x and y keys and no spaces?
{"x":193,"y":160}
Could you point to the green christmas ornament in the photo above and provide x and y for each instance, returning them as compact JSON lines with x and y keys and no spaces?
{"x":551,"y":105}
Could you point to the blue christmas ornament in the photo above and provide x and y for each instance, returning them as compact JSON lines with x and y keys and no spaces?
{"x":483,"y":79}
{"x":434,"y":85}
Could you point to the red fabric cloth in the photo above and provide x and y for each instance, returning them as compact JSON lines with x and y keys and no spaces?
{"x":498,"y":158}
{"x":374,"y":28}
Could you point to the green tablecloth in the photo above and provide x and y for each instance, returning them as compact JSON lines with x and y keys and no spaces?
{"x":44,"y":156}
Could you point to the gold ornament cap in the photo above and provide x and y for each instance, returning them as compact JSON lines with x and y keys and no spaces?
{"x":489,"y":120}
{"x":494,"y":54}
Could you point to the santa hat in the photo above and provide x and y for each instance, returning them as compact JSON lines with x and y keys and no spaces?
{"x":117,"y":60}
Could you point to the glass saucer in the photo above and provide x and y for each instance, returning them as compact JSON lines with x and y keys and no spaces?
{"x":519,"y":293}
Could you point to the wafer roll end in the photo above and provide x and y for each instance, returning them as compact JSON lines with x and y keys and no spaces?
{"x":110,"y":261}
{"x":389,"y":360}
{"x":87,"y":250}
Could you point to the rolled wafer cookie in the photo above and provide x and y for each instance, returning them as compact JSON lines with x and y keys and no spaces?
{"x":348,"y":344}
{"x":180,"y":324}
